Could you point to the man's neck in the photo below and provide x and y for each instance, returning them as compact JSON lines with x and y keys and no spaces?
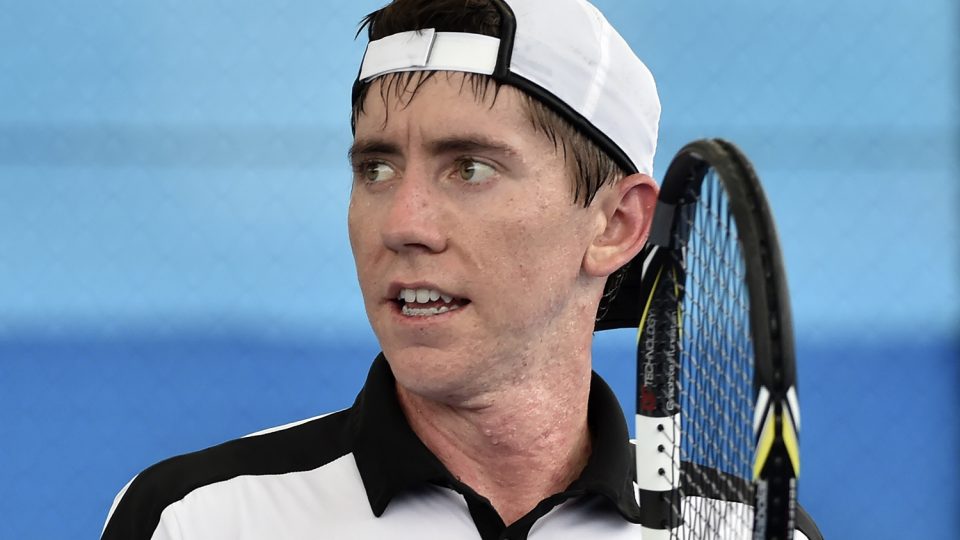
{"x":516,"y":446}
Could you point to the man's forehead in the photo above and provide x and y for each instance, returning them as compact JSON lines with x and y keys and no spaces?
{"x":443,"y":96}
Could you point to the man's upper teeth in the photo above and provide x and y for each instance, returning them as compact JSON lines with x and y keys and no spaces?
{"x":422,"y":296}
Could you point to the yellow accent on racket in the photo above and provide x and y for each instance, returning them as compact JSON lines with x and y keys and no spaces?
{"x":764,"y":445}
{"x":646,"y":308}
{"x":791,"y":442}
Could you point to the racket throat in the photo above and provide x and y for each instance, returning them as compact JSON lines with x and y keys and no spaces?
{"x":658,"y":473}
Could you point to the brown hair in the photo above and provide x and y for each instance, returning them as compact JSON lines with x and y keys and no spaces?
{"x":589,"y":166}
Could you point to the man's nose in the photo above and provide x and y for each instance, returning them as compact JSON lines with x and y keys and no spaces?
{"x":413,"y":218}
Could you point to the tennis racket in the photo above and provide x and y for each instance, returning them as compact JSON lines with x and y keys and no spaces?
{"x":717,"y":411}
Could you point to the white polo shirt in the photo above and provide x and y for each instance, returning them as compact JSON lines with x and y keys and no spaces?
{"x":362,"y":473}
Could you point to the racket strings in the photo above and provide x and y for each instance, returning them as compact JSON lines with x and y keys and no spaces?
{"x":719,"y":338}
{"x":716,"y":366}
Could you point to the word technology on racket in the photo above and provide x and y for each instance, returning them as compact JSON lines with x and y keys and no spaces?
{"x":717,"y":411}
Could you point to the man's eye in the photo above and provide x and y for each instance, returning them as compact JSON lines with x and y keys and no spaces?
{"x":376,"y":171}
{"x":474,"y":172}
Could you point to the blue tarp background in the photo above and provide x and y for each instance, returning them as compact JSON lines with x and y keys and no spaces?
{"x":174,"y":269}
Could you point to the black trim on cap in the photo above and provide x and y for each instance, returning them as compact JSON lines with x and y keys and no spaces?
{"x":508,"y":33}
{"x":502,"y":73}
{"x":575,"y":118}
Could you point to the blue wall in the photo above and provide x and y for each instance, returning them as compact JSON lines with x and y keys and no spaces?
{"x":174,"y":269}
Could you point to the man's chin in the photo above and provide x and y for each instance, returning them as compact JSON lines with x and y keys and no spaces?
{"x":431,"y":373}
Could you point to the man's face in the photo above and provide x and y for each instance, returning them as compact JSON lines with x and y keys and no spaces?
{"x":459,"y":196}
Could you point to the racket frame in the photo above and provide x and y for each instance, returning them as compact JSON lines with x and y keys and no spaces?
{"x":776,"y":418}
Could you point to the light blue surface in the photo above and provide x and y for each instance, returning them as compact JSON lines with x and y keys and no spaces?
{"x":174,"y":268}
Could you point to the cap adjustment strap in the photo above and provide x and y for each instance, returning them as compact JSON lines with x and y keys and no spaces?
{"x":429,"y":50}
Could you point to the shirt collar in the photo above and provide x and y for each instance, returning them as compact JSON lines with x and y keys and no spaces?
{"x":392,"y":459}
{"x":611,"y":469}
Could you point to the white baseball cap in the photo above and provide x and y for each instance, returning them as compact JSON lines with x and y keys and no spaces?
{"x":563,"y":53}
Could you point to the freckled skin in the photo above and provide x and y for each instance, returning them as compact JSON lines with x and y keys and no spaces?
{"x":513,"y":245}
{"x":497,"y":389}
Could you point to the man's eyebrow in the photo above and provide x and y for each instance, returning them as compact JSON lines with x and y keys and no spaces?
{"x":469,"y":144}
{"x":371,"y":146}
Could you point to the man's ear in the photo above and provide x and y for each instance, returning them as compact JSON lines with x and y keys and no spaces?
{"x":625,"y":212}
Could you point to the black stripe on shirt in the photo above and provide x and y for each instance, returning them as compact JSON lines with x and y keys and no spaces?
{"x":299,"y":448}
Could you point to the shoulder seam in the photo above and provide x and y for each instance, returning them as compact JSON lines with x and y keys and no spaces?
{"x":298,"y":447}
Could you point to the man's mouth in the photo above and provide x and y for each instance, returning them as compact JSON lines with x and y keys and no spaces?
{"x":427,"y":302}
